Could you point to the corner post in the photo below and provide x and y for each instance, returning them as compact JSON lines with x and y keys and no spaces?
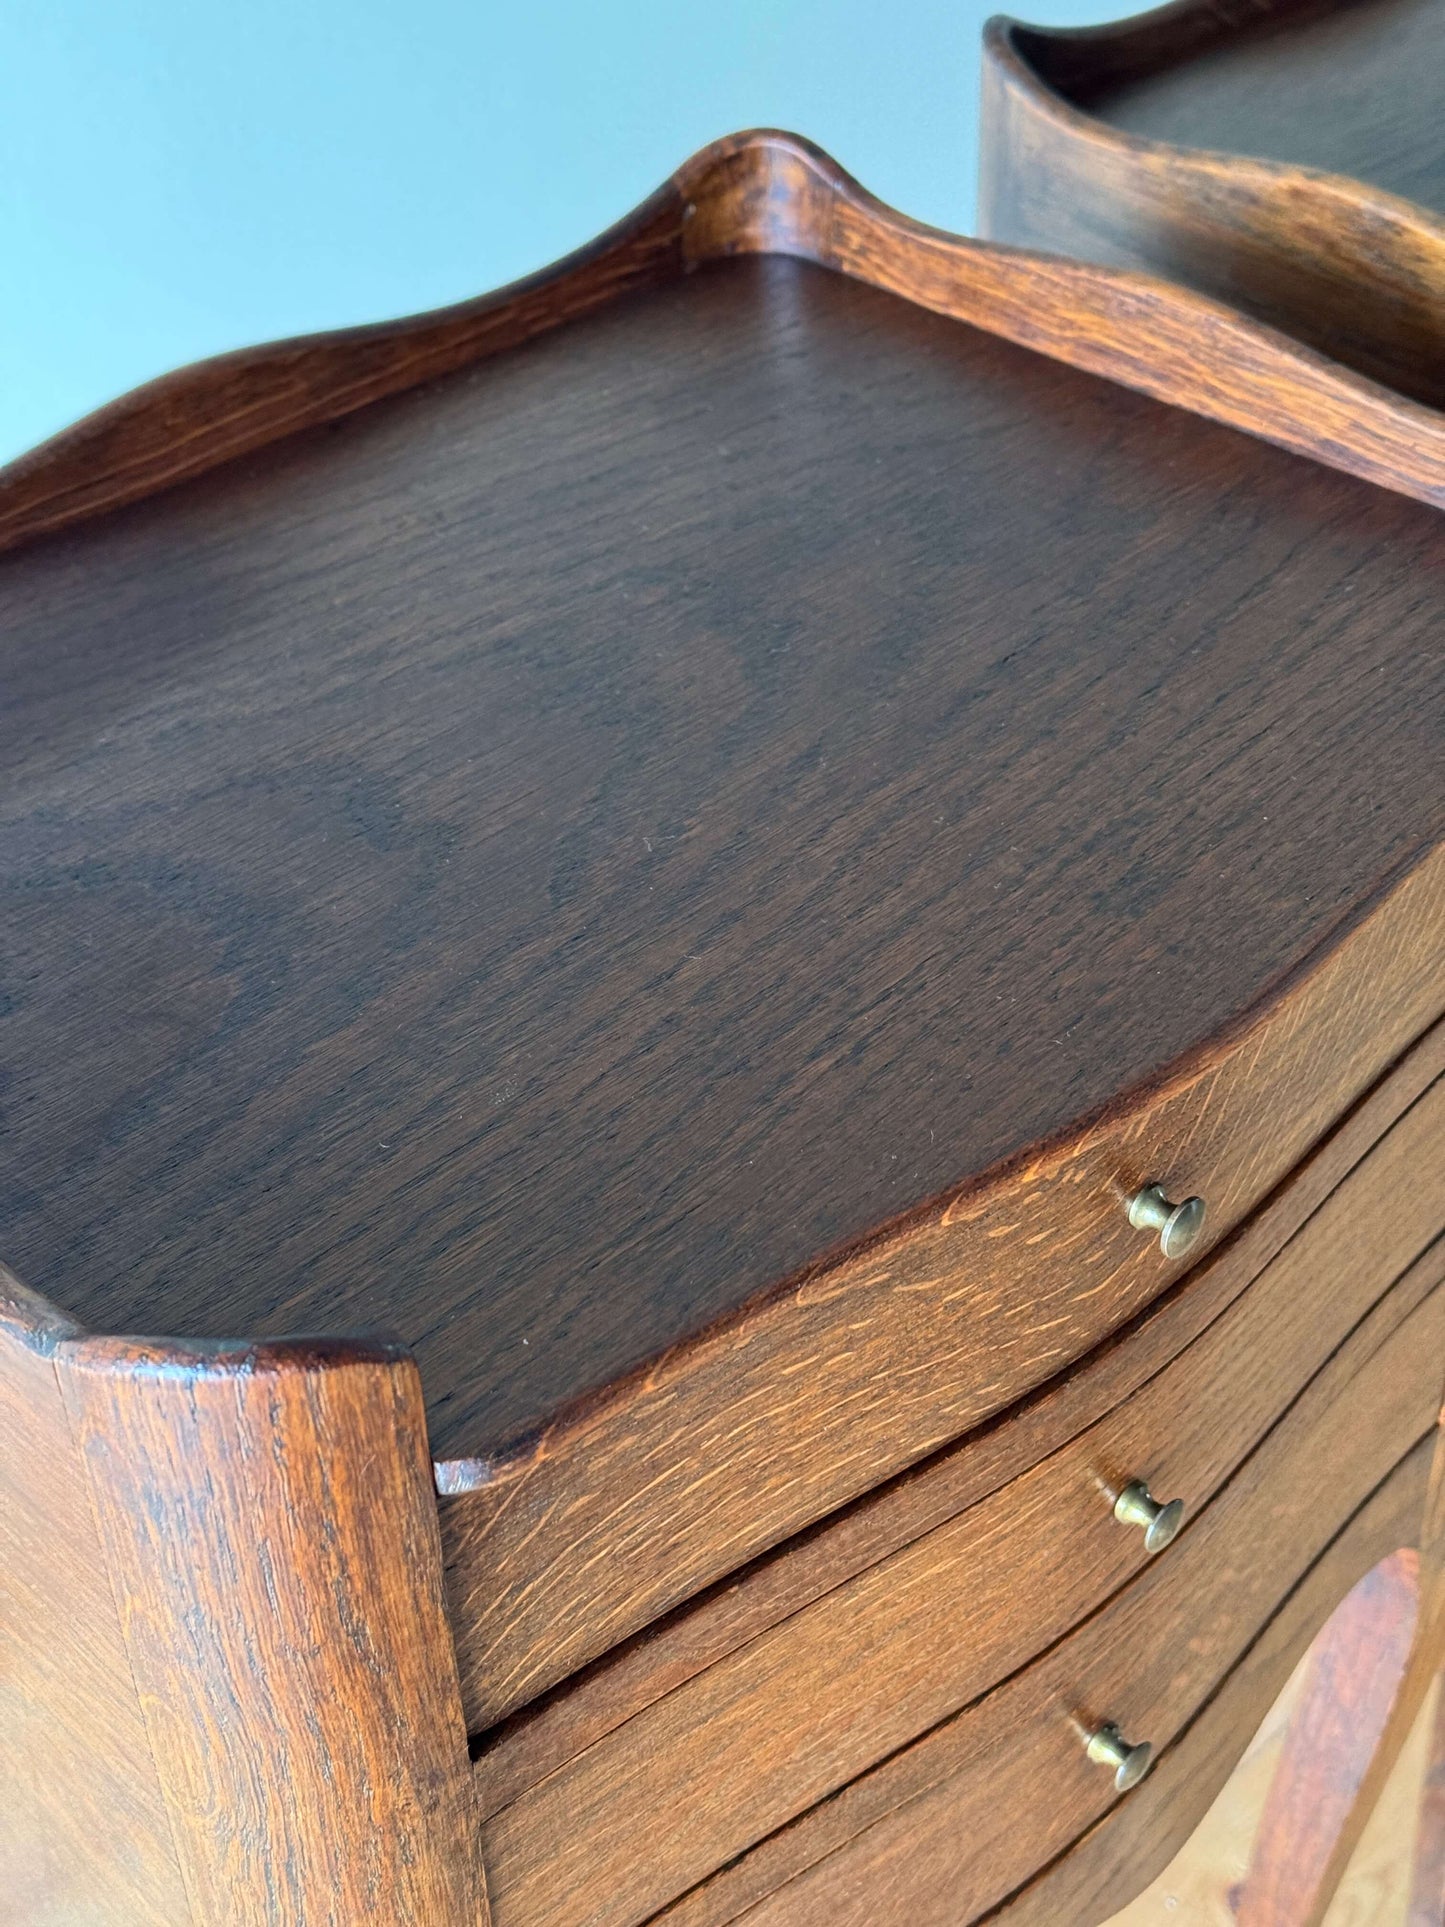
{"x":269,"y":1523}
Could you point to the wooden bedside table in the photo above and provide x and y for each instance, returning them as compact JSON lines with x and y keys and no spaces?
{"x":1285,"y":156}
{"x":834,"y":929}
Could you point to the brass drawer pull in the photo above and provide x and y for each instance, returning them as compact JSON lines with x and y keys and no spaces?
{"x":1108,"y":1747}
{"x":1178,"y":1225}
{"x":1134,"y":1507}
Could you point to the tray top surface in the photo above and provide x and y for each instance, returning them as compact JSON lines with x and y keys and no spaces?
{"x":1354,"y":89}
{"x":548,"y":856}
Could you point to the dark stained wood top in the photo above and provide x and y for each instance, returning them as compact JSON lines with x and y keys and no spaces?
{"x":537,"y":861}
{"x":1353,"y":89}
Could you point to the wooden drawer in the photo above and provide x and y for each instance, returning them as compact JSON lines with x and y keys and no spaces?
{"x":1138,"y":1837}
{"x":665,"y":1656}
{"x":946,"y":1829}
{"x":838,"y":1381}
{"x":742,"y":1747}
{"x":701,"y":943}
{"x":702,"y":956}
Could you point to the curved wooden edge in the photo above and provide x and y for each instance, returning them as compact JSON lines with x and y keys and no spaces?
{"x":1423,"y":873}
{"x":1075,"y":60}
{"x":1059,"y":68}
{"x":759,"y":192}
{"x":1304,"y":1215}
{"x":239,"y":1552}
{"x":552,"y":1459}
{"x":756,"y":193}
{"x":84,"y":1833}
{"x":30,"y":1321}
{"x":231,"y":1688}
{"x":1290,"y":246}
{"x":523,"y":1520}
{"x":531,"y":1528}
{"x":175,"y":428}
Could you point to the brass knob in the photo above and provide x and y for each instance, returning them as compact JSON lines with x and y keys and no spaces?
{"x":1134,"y":1507}
{"x":1178,"y":1225}
{"x":1108,"y":1747}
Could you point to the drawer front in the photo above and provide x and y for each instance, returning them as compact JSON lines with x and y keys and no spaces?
{"x":526,"y":1749}
{"x":946,"y":1830}
{"x":743,"y":1747}
{"x":1138,"y":1837}
{"x":842,"y":1379}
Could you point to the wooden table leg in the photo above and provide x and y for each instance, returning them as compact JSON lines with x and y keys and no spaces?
{"x":1367,"y":1678}
{"x":269,"y":1523}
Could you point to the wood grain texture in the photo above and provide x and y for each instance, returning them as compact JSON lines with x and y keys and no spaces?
{"x":1284,"y":157}
{"x":1000,"y":1560}
{"x":1354,"y":1676}
{"x":269,"y":1526}
{"x":1364,"y":1702}
{"x":1343,"y":89}
{"x":615,"y":858}
{"x":85,"y":1840}
{"x":558,"y":861}
{"x":823,"y":1389}
{"x":759,"y":192}
{"x":573,"y":1849}
{"x":1139,"y":1836}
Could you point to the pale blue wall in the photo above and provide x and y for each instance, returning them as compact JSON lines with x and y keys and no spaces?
{"x":178,"y":177}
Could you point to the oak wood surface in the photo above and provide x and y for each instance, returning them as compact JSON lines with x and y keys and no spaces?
{"x":386,"y":953}
{"x":546,"y":858}
{"x":269,"y":1525}
{"x":637,"y":1820}
{"x":530,"y":871}
{"x":362,"y":942}
{"x":950,"y":1827}
{"x":722,"y":1448}
{"x":1006,"y":1567}
{"x":1138,"y":1837}
{"x":229,"y":1690}
{"x":1285,"y":157}
{"x":1349,"y":89}
{"x":757,"y":192}
{"x":621,"y":854}
{"x":84,"y":1836}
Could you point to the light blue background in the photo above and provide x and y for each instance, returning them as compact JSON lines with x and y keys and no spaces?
{"x":178,"y":177}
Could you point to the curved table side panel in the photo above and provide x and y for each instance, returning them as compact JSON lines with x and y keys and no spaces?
{"x":268,"y":1727}
{"x":1360,"y":1694}
{"x":1289,"y":246}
